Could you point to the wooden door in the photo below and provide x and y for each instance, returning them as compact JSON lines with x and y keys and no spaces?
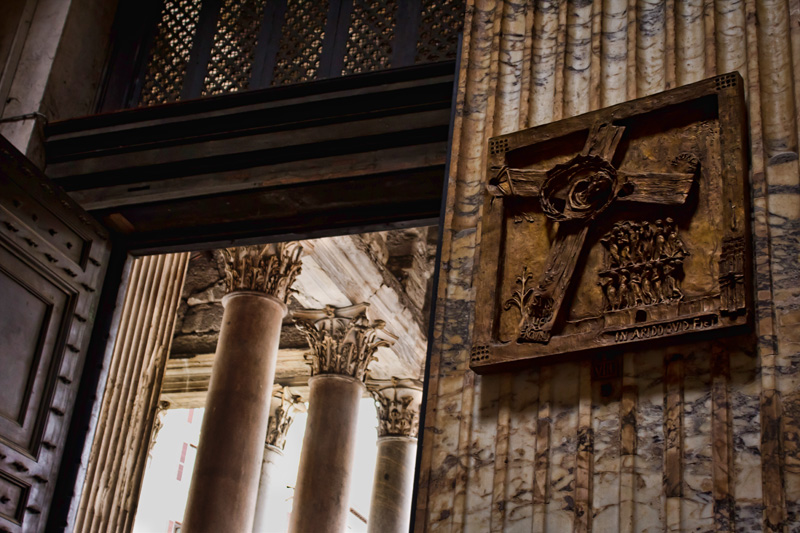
{"x":53,"y":258}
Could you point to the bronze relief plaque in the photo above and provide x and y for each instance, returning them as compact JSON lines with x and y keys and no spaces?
{"x":628,"y":224}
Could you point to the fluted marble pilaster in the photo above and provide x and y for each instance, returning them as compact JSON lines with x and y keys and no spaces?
{"x":125,"y":426}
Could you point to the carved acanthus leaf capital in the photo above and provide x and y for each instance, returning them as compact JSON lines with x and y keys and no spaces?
{"x":343,"y":340}
{"x":158,"y":422}
{"x":398,"y":404}
{"x":280,"y":417}
{"x":269,"y":268}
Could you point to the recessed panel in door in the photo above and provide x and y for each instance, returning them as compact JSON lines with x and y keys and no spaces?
{"x":32,"y":308}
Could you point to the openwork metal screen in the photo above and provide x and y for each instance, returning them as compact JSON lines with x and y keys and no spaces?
{"x":438,"y":30}
{"x":169,"y":55}
{"x":231,"y":61}
{"x":300,"y":47}
{"x":209,"y":47}
{"x":370,"y":36}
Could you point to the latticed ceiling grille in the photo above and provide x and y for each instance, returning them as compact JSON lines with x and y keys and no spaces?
{"x":301,"y":41}
{"x":370,"y":35}
{"x":166,"y":68}
{"x":209,"y":47}
{"x":231,"y":61}
{"x":438,"y":30}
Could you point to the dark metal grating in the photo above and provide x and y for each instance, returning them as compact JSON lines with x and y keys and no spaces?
{"x":440,"y":24}
{"x":166,"y":65}
{"x":301,"y":42}
{"x":235,"y":40}
{"x":210,"y":47}
{"x":370,"y":35}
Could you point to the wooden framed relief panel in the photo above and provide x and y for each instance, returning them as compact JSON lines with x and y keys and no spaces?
{"x":625,"y":225}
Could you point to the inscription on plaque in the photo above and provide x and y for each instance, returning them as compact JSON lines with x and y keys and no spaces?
{"x":623,"y":225}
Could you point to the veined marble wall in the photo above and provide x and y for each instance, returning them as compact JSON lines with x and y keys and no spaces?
{"x":696,"y":437}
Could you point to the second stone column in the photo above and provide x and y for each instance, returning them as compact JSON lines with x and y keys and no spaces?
{"x":284,"y":403}
{"x":343,"y":342}
{"x":222,"y":494}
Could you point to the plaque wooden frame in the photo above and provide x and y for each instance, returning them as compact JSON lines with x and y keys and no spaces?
{"x":655,"y":189}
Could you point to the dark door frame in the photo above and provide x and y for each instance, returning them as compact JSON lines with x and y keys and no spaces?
{"x":67,"y":494}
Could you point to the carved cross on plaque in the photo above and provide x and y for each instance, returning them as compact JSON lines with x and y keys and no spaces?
{"x":574,"y":194}
{"x":637,"y":228}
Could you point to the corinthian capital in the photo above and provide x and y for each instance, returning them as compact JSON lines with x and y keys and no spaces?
{"x":280,"y":417}
{"x":398,"y":403}
{"x":343,"y":340}
{"x":269,"y":268}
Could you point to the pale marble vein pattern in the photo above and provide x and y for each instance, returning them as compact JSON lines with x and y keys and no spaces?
{"x":648,"y":496}
{"x":501,"y":453}
{"x":578,"y":59}
{"x":744,"y":401}
{"x":650,"y":47}
{"x":521,"y":452}
{"x":563,"y":444}
{"x":614,"y":62}
{"x":606,"y":481}
{"x":541,"y":487}
{"x":689,"y":41}
{"x":697,"y":506}
{"x":731,"y":37}
{"x":628,"y":444}
{"x":783,"y":188}
{"x":546,"y":59}
{"x":509,"y":83}
{"x":481,"y":455}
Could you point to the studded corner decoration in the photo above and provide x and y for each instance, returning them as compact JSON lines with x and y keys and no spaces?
{"x":628,"y":224}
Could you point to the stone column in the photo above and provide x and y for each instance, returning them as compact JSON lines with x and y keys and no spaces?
{"x":343,"y":342}
{"x":398,"y":402}
{"x":222,"y":494}
{"x":280,"y":420}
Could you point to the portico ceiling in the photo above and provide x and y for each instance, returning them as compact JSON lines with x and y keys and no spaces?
{"x":390,"y":270}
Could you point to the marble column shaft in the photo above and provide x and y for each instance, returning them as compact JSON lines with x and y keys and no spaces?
{"x":321,"y":496}
{"x":393,"y":487}
{"x":343,"y":342}
{"x":222,"y":494}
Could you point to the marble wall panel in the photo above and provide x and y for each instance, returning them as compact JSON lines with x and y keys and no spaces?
{"x":694,"y":437}
{"x":519,"y":480}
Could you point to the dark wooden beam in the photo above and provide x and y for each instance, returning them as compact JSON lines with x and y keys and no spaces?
{"x":365,"y":152}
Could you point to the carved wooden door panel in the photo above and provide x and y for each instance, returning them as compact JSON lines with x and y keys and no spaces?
{"x":53,"y":259}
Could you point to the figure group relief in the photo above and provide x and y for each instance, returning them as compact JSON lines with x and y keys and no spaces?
{"x":644,"y":264}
